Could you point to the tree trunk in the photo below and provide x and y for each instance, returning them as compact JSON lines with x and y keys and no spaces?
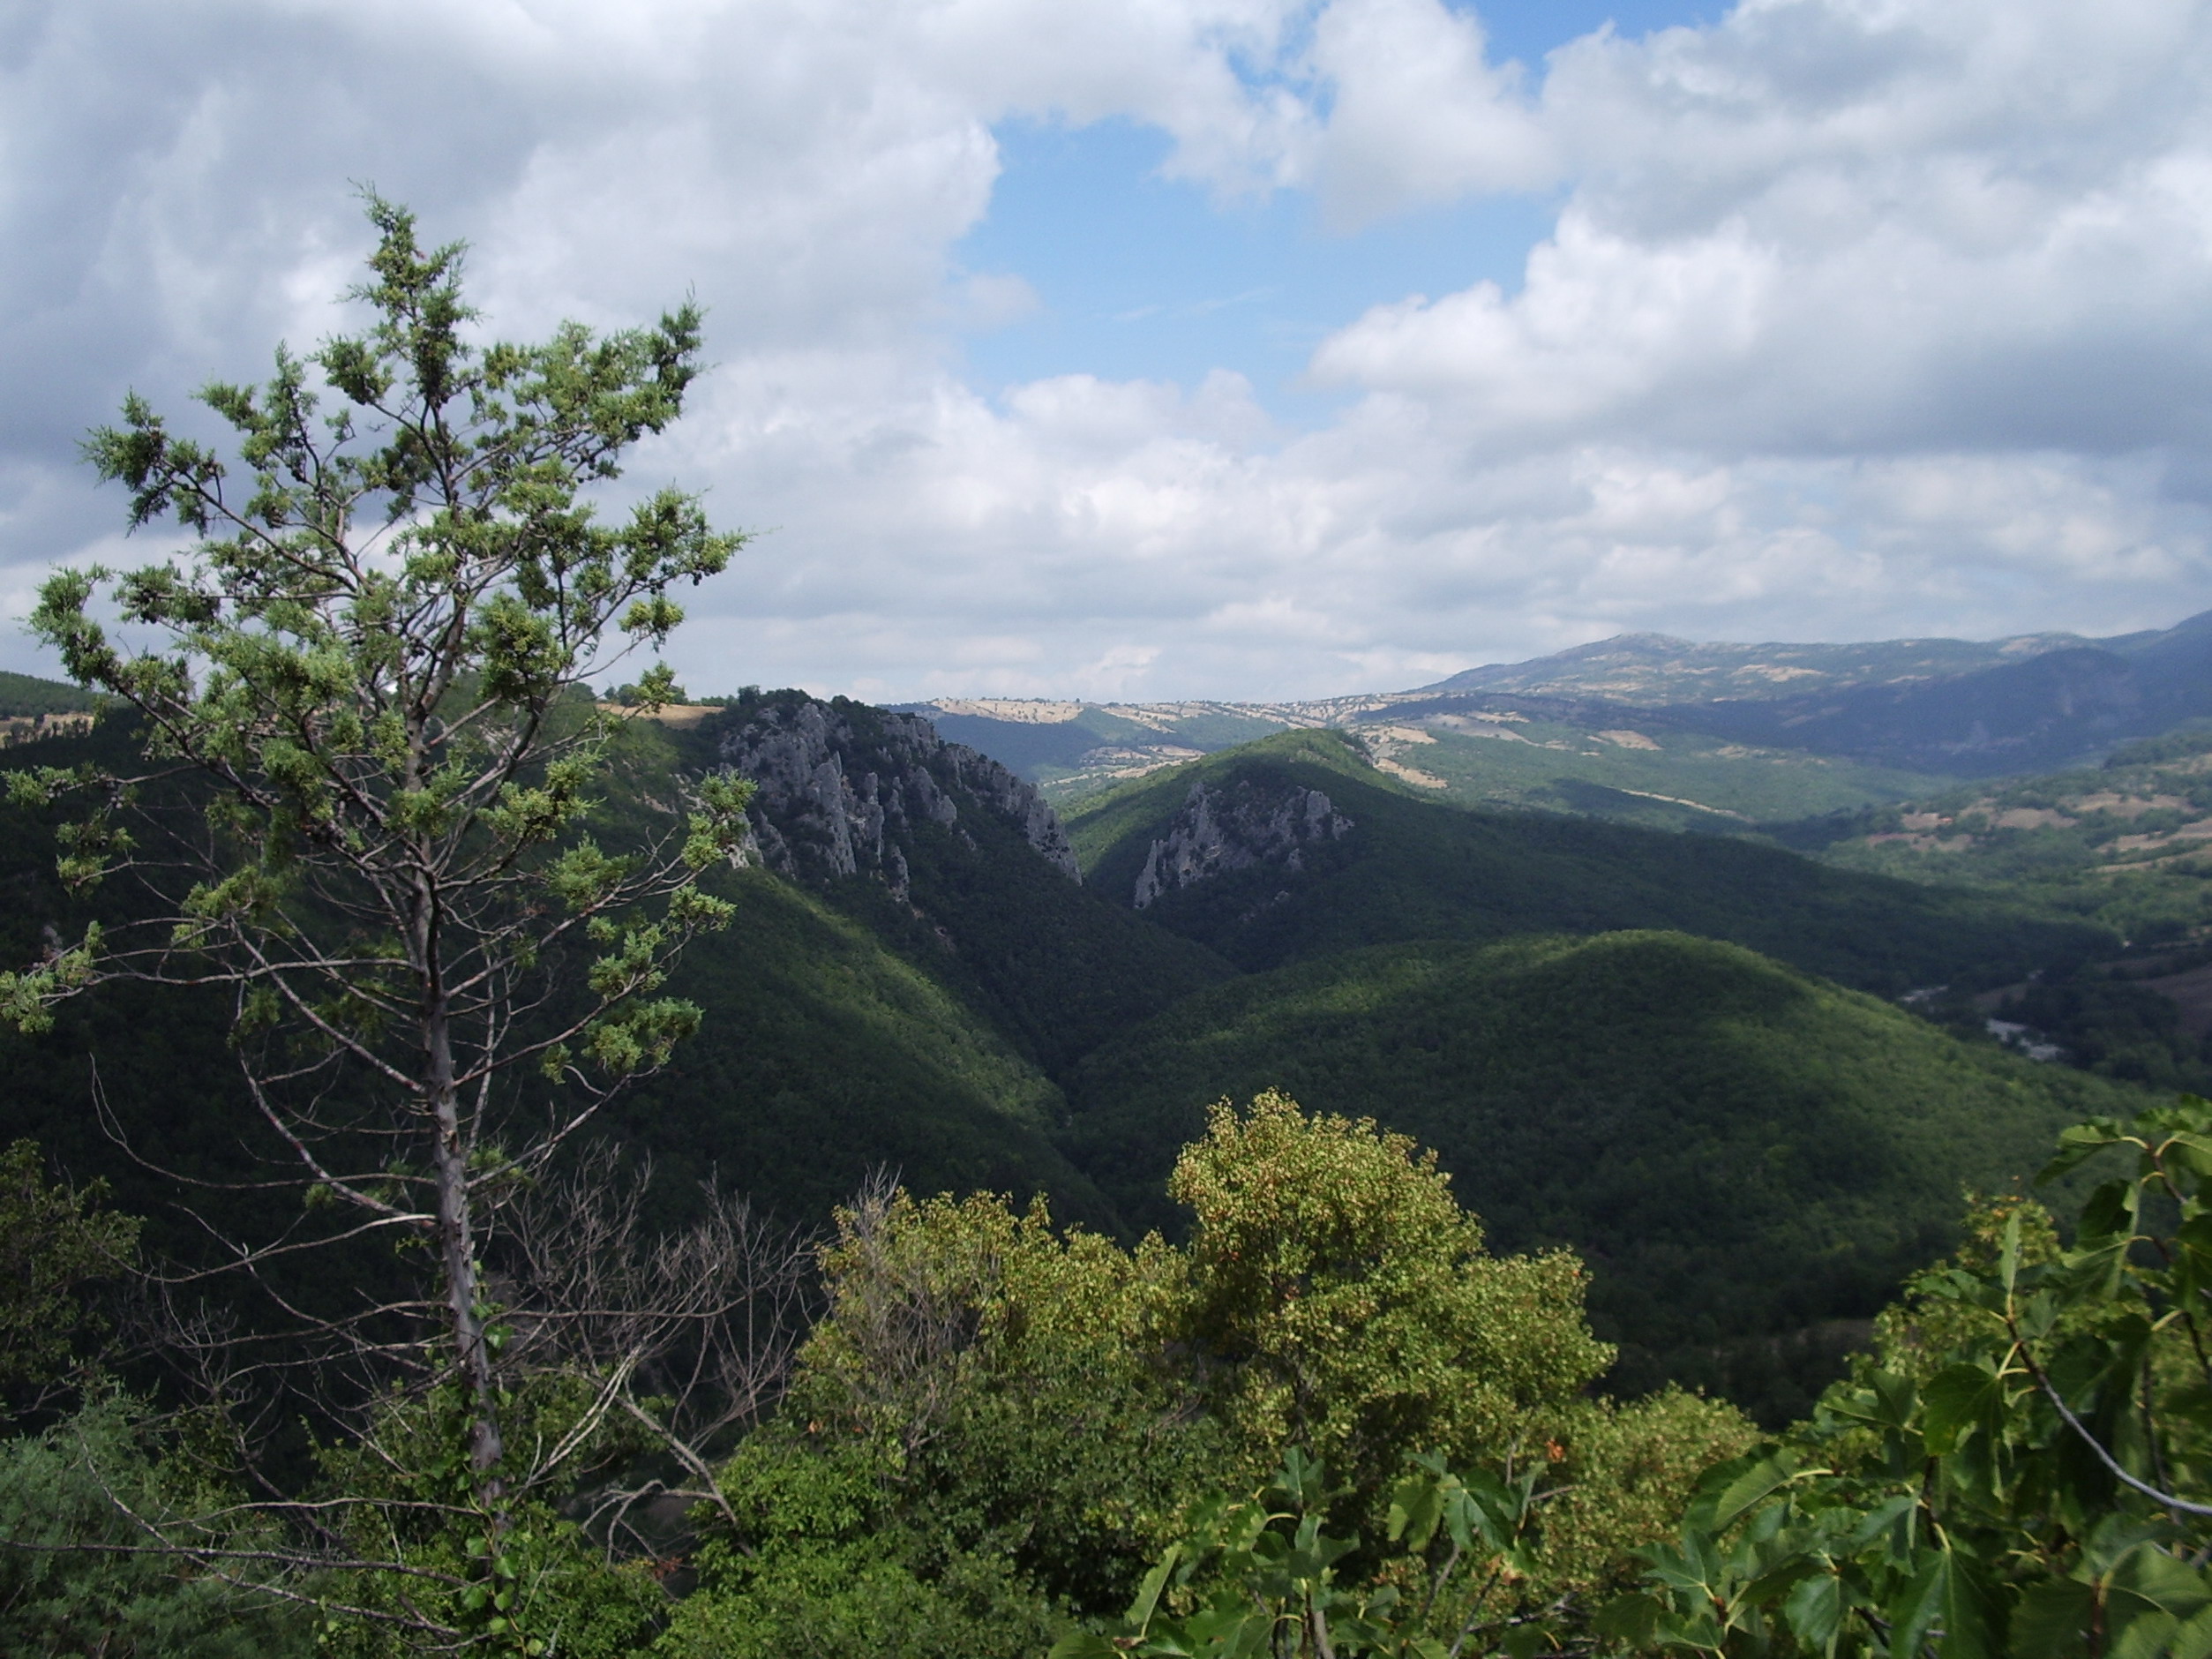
{"x":449,"y":1157}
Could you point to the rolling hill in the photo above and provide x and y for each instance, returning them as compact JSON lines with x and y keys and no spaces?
{"x":1198,"y":850}
{"x":932,"y":973}
{"x":1736,"y":1148}
{"x":1675,"y":733}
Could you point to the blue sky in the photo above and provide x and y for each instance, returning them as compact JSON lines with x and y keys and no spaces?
{"x":1208,"y":348}
{"x":1141,"y":275}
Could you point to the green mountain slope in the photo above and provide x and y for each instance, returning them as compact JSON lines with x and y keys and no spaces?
{"x":1606,"y":762}
{"x":21,"y":696}
{"x":1408,"y":868}
{"x":826,"y":1053}
{"x":1736,"y":1148}
{"x":2126,"y":841}
{"x":2127,"y":844}
{"x":970,"y":901}
{"x":826,"y":1056}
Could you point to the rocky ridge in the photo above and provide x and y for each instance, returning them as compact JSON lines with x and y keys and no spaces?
{"x":841,"y":788}
{"x":1218,"y":830}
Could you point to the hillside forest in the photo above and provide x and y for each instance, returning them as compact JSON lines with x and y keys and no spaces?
{"x":1667,"y":1148}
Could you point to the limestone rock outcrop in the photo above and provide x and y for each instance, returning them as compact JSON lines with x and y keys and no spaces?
{"x":1247,"y":824}
{"x":842,"y":786}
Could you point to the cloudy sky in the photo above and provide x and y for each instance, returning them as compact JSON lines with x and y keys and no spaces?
{"x":1209,"y":347}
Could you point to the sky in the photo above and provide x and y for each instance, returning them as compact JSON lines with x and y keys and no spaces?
{"x":1227,"y":349}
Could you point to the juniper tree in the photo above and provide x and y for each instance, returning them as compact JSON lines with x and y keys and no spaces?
{"x":369,"y":762}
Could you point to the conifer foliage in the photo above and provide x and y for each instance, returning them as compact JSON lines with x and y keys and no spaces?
{"x":372,"y":757}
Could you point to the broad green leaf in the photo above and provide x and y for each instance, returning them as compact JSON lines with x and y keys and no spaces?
{"x":2051,"y":1619}
{"x":1751,"y":1486}
{"x":1973,"y":1617}
{"x":1957,"y":1398}
{"x":1877,"y":1520}
{"x":2193,"y":1152}
{"x":1631,"y":1619}
{"x":1947,"y":1600}
{"x":1815,"y":1610}
{"x":2172,"y":1586}
{"x":1140,"y":1614}
{"x":1416,"y":1506}
{"x":2080,"y":1143}
{"x":2135,"y":1631}
{"x":2193,"y":1639}
{"x":2110,"y":1211}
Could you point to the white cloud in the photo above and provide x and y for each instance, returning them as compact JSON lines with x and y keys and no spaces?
{"x":1857,"y":319}
{"x":1837,"y":228}
{"x":1417,"y":114}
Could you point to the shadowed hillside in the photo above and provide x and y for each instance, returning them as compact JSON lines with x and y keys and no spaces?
{"x":1736,"y":1149}
{"x":1405,"y":868}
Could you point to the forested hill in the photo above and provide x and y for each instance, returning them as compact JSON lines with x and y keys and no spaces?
{"x":22,"y":696}
{"x":1232,"y":852}
{"x":921,"y":981}
{"x":1737,"y":1149}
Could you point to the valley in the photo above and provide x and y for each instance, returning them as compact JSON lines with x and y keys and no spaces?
{"x":1501,"y":920}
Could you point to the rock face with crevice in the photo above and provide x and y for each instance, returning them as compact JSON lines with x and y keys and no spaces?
{"x":841,"y":788}
{"x":1246,"y":825}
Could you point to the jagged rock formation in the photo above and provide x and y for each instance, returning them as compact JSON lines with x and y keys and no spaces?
{"x":842,"y":786}
{"x":1247,"y":824}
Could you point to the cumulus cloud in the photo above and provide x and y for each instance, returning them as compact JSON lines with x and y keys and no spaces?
{"x":1857,"y":317}
{"x":1834,"y":228}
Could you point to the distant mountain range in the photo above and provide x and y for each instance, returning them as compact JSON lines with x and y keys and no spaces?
{"x":1671,"y":722}
{"x":1657,"y":668}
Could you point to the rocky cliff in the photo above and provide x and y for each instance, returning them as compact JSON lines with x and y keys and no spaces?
{"x":841,"y":788}
{"x":1236,"y":828}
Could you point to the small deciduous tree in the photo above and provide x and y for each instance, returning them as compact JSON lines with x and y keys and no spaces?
{"x":371,"y":764}
{"x":54,"y":1240}
{"x":2024,"y":1466}
{"x":1348,"y":1306}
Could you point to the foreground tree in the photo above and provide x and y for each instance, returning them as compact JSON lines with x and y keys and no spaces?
{"x":998,"y":1427}
{"x":2024,"y":1466}
{"x":365,"y":815}
{"x":53,"y":1241}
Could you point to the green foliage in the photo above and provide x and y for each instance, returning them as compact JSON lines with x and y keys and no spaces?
{"x":53,"y":1241}
{"x":1462,"y":1563}
{"x":994,"y":1413}
{"x":1008,"y":1378}
{"x":1345,"y":1304}
{"x":381,"y":709}
{"x":1258,"y":1575}
{"x":1467,"y":1568}
{"x":364,"y":813}
{"x":1414,"y":869}
{"x":2026,"y":1467}
{"x":427,"y":1549}
{"x":825,"y":1571}
{"x":79,"y":1574}
{"x":1735,"y":1149}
